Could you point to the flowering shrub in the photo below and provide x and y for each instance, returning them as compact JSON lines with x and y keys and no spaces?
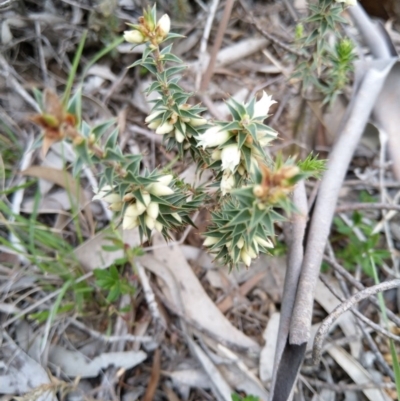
{"x":255,"y":190}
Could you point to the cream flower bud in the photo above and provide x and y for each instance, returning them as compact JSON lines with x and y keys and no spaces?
{"x":164,"y":128}
{"x":262,"y":106}
{"x":140,"y":207}
{"x":258,"y":191}
{"x":179,"y":136}
{"x":177,"y":217}
{"x":128,"y":223}
{"x":227,"y":183}
{"x":216,"y":154}
{"x":256,"y":248}
{"x":155,"y":124}
{"x":134,"y":36}
{"x":230,"y":156}
{"x":116,"y":206}
{"x":251,"y":252}
{"x":164,"y":25}
{"x":150,"y":222}
{"x":241,"y":170}
{"x":132,"y":211}
{"x":128,"y":197}
{"x":214,"y":136}
{"x":264,"y":242}
{"x":165,"y":179}
{"x":209,"y":241}
{"x":158,"y":226}
{"x":197,"y":122}
{"x":130,"y":218}
{"x":245,"y":257}
{"x":240,"y":243}
{"x":158,"y":189}
{"x":153,"y":210}
{"x":146,"y":198}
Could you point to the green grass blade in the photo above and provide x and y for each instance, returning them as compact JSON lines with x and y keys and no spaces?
{"x":396,"y":367}
{"x":71,"y":77}
{"x":395,"y":360}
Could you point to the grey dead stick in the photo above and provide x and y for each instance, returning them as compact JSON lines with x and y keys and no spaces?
{"x":386,"y":115}
{"x":343,"y":307}
{"x":339,"y":160}
{"x":282,"y":385}
{"x":296,"y":310}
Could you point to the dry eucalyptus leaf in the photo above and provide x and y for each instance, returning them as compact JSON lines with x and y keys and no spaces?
{"x":74,"y":363}
{"x":179,"y":276}
{"x":20,"y":374}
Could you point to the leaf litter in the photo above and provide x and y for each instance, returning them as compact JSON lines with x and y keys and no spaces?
{"x":220,"y":329}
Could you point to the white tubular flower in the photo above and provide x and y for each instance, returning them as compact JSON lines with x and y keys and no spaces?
{"x":227,"y":183}
{"x":245,"y":257}
{"x":113,"y":199}
{"x":150,"y":222}
{"x":262,"y":106}
{"x":164,"y":25}
{"x":240,"y":243}
{"x":134,"y":36}
{"x":153,"y":210}
{"x":264,"y":242}
{"x":158,"y":226}
{"x":159,"y":189}
{"x":177,"y":217}
{"x":179,"y":136}
{"x":264,"y":141}
{"x":165,"y":179}
{"x":164,"y":128}
{"x":214,"y":136}
{"x":153,"y":115}
{"x":197,"y":122}
{"x":106,"y":195}
{"x":209,"y":241}
{"x":230,"y":157}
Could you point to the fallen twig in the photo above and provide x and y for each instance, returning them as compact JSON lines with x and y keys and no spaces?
{"x":360,"y":316}
{"x":338,"y":311}
{"x":349,"y":207}
{"x":355,"y":283}
{"x":217,"y":45}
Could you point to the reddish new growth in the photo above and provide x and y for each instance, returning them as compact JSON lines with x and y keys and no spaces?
{"x":275,"y":184}
{"x":55,"y":121}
